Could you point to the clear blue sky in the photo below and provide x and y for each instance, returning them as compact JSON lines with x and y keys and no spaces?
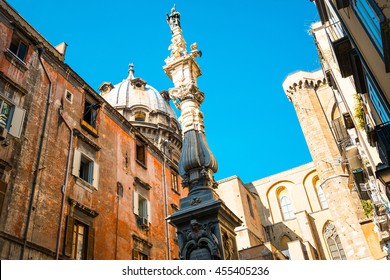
{"x":248,"y":46}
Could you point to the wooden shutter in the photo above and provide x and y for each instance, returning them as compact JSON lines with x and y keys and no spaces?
{"x":358,"y":73}
{"x":17,"y":122}
{"x":135,"y":203}
{"x":69,"y":236}
{"x":76,"y":163}
{"x":95,"y":179}
{"x":340,"y":4}
{"x":91,"y":243}
{"x":342,"y":48}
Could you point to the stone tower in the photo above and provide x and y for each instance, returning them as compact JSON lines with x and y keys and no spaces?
{"x":305,"y":91}
{"x":205,"y":226}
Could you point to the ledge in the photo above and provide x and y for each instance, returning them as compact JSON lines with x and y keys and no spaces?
{"x":16,"y":61}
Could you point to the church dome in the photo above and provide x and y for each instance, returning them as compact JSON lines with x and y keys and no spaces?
{"x":133,"y":92}
{"x":147,"y":109}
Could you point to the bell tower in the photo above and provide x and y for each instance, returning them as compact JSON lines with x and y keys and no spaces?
{"x":205,"y":225}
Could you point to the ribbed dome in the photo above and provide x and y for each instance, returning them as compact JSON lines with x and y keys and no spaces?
{"x":134,"y":92}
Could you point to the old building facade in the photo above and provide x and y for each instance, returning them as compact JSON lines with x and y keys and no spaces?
{"x":78,"y":180}
{"x":336,"y":207}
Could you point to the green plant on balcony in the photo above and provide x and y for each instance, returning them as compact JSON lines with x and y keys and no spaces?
{"x":368,"y":208}
{"x":359,"y":113}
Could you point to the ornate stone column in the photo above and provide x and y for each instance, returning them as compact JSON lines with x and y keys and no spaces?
{"x":205,"y":226}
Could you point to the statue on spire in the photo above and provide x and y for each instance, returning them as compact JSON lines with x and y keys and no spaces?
{"x":174,"y":18}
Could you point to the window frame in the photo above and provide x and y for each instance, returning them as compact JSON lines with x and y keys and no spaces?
{"x":93,"y":171}
{"x":77,"y":253}
{"x":14,"y":47}
{"x":80,"y":214}
{"x":322,"y":198}
{"x":175,"y":182}
{"x":333,"y":242}
{"x":140,"y":153}
{"x":289,"y":214}
{"x":14,"y":120}
{"x":142,"y":209}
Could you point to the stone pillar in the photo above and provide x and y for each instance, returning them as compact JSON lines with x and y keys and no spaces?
{"x":205,"y":226}
{"x":303,"y":89}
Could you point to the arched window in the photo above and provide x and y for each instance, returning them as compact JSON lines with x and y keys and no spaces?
{"x":139,"y":116}
{"x":286,"y":206}
{"x":321,"y":197}
{"x":334,"y":244}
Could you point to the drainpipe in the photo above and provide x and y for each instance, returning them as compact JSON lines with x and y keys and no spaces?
{"x":39,"y":155}
{"x":63,"y":188}
{"x":164,"y":144}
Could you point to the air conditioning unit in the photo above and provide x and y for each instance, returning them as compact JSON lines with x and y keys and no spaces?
{"x":143,"y":222}
{"x":3,"y":133}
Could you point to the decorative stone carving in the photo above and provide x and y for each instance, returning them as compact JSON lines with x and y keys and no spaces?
{"x":174,"y":18}
{"x":199,"y":243}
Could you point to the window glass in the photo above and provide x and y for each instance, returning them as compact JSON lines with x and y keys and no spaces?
{"x":286,"y":206}
{"x":18,"y":48}
{"x":86,"y":169}
{"x":335,"y":247}
{"x":174,"y":182}
{"x":79,"y":241}
{"x":140,"y":153}
{"x":5,"y":110}
{"x":321,"y":197}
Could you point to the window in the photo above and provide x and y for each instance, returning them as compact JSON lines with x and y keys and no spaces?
{"x":68,"y":96}
{"x":376,"y":26}
{"x":141,"y":210}
{"x":250,"y":205}
{"x":11,"y":119}
{"x":85,"y":168}
{"x":3,"y":191}
{"x":285,"y":205}
{"x":80,"y":234}
{"x":174,"y":182}
{"x":140,"y":153}
{"x":79,"y":242}
{"x":141,"y":249}
{"x":321,"y":197}
{"x":18,"y":47}
{"x":90,"y":113}
{"x":5,"y":110}
{"x":334,"y":244}
{"x":139,"y":116}
{"x":140,"y":256}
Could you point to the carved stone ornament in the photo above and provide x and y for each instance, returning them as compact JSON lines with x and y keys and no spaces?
{"x":174,"y":18}
{"x":228,"y":247}
{"x":199,"y":243}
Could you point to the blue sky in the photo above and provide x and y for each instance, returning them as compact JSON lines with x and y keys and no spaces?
{"x":248,"y":46}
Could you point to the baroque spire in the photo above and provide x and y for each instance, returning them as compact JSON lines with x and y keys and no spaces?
{"x":197,"y":163}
